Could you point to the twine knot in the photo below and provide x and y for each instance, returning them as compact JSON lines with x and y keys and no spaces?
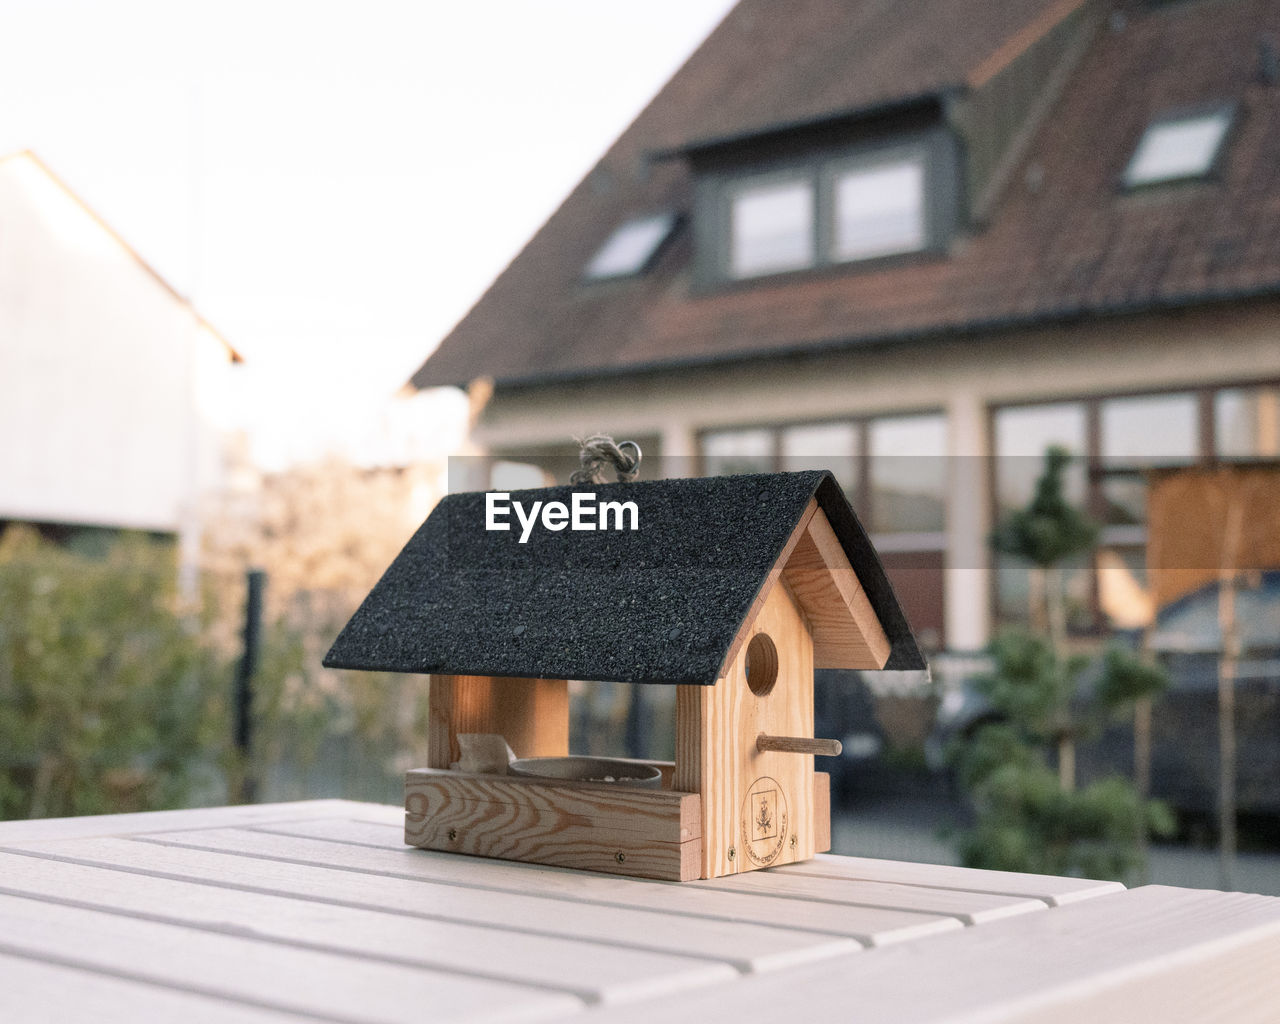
{"x":598,"y":452}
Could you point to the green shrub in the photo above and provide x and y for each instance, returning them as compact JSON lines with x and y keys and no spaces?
{"x":109,"y":699}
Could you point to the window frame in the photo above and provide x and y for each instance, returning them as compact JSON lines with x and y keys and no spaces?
{"x":1225,"y":109}
{"x":936,"y":148}
{"x":1098,"y":470}
{"x":765,"y":179}
{"x":829,"y":177}
{"x":673,"y":224}
{"x":862,"y":498}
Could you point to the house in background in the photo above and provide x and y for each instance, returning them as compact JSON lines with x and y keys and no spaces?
{"x":108,"y":377}
{"x":918,"y":243}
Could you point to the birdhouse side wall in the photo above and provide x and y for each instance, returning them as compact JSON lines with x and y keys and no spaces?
{"x":757,"y":807}
{"x":532,"y":714}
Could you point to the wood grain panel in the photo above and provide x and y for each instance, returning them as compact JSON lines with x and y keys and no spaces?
{"x":583,"y":847}
{"x":716,"y":755}
{"x":769,"y":585}
{"x":821,"y":814}
{"x":661,"y":814}
{"x":846,"y":630}
{"x":533,"y":715}
{"x":624,"y":830}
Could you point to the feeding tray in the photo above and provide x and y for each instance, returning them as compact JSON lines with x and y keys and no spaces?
{"x":731,"y":589}
{"x":588,"y":769}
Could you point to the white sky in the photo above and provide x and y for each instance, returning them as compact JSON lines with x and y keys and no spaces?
{"x":334,"y":183}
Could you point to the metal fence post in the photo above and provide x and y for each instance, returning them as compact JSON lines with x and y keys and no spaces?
{"x":255,"y":582}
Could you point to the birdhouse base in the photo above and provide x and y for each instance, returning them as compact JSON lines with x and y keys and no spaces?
{"x":594,"y":826}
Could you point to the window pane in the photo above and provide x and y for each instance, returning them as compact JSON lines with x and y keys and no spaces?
{"x":1182,"y":148}
{"x":515,"y":476}
{"x":879,"y":210}
{"x":1020,"y":595}
{"x":1022,"y":437}
{"x":908,"y":474}
{"x":1247,"y":422}
{"x":1150,"y":430}
{"x":771,"y":228}
{"x":1124,"y":500}
{"x":737,"y":451}
{"x":1123,"y":596}
{"x":830,"y":446}
{"x":631,"y":247}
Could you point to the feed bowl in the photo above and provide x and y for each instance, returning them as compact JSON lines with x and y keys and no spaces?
{"x":587,"y":769}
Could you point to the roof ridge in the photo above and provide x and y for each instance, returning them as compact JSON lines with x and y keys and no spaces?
{"x":119,"y":239}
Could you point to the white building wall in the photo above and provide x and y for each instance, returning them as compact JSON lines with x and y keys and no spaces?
{"x":1191,"y":349}
{"x":102,"y":371}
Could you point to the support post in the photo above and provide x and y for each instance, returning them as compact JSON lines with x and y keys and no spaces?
{"x":255,"y":582}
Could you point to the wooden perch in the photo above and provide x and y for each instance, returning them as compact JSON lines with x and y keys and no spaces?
{"x":798,"y":745}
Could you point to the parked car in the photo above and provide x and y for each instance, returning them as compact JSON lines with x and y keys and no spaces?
{"x":1184,"y":770}
{"x":962,"y":709}
{"x":844,"y":709}
{"x":1187,"y":641}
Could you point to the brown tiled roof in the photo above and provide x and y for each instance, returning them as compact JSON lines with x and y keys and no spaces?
{"x":1075,"y":244}
{"x":774,"y":64}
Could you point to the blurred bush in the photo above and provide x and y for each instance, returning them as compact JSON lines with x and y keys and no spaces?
{"x":1029,"y":816}
{"x":110,"y":700}
{"x":115,"y":689}
{"x":115,"y":692}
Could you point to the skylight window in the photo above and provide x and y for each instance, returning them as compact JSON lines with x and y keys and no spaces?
{"x":1173,"y":149}
{"x":631,"y":247}
{"x":771,"y":227}
{"x":879,"y":210}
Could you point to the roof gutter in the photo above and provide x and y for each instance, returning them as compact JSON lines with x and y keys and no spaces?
{"x":706,"y":146}
{"x":999,"y":324}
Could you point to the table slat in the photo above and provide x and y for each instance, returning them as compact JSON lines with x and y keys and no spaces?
{"x":456,"y":926}
{"x":592,"y":970}
{"x":970,"y":907}
{"x":245,"y":969}
{"x":37,"y":829}
{"x":1053,"y":890}
{"x":36,"y":992}
{"x":1024,"y":968}
{"x":868,"y":925}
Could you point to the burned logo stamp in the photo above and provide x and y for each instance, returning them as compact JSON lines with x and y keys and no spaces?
{"x":764,"y":821}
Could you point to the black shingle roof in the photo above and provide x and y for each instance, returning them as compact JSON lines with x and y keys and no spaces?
{"x":661,"y":604}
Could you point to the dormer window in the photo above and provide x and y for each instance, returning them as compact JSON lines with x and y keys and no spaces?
{"x":825,"y":209}
{"x":878,"y":209}
{"x":1178,"y":148}
{"x":631,"y":248}
{"x":771,"y":224}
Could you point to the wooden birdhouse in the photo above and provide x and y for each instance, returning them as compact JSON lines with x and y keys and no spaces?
{"x":732,"y":589}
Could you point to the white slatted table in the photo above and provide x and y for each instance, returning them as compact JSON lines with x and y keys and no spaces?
{"x":316,"y":911}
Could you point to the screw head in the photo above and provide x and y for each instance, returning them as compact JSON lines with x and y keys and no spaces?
{"x":620,"y":857}
{"x":732,"y":853}
{"x":795,"y":840}
{"x":453,"y":834}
